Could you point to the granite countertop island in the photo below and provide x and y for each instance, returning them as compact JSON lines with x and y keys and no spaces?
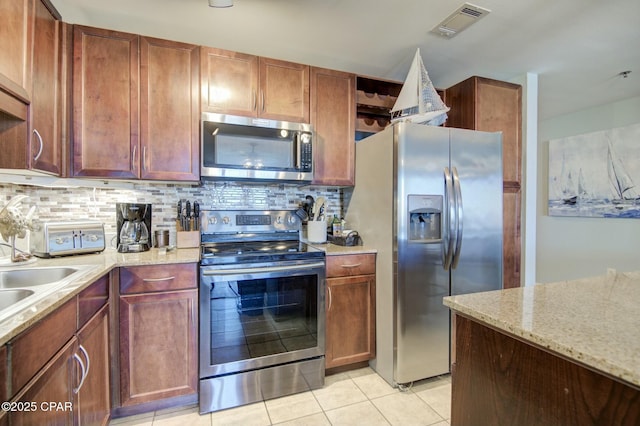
{"x":567,"y":348}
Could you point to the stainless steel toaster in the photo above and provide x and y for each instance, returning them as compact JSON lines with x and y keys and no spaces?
{"x":66,"y":238}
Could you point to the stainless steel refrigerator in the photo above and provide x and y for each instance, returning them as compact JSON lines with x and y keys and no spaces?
{"x":429,"y":199}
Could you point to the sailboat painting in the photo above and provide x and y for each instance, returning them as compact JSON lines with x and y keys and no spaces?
{"x":596,"y":174}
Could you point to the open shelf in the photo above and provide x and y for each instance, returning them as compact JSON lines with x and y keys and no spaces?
{"x":374,"y":100}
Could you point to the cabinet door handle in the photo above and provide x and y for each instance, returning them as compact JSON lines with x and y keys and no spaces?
{"x":41,"y":145}
{"x":255,"y":99}
{"x":86,"y":357}
{"x":329,"y":304}
{"x":133,"y":158}
{"x":144,"y":158}
{"x":153,"y":280}
{"x":262,"y":99}
{"x":84,"y":373}
{"x":353,"y":265}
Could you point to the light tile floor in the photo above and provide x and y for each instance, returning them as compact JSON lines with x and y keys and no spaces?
{"x":355,"y":397}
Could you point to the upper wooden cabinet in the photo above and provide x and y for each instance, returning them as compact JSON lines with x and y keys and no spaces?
{"x":229,"y":82}
{"x":333,"y":114}
{"x":492,"y":106}
{"x":135,"y":107}
{"x":240,"y":84}
{"x":30,"y":73}
{"x":169,"y":110}
{"x":15,"y":39}
{"x":284,"y":88}
{"x":46,"y":97}
{"x":105,"y":103}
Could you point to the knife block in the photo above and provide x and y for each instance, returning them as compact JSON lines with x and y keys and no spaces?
{"x":188,"y":239}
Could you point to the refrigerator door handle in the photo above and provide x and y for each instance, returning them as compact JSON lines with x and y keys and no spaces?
{"x":450,"y":206}
{"x":459,"y":216}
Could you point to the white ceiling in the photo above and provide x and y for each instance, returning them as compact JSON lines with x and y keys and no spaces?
{"x":576,"y":47}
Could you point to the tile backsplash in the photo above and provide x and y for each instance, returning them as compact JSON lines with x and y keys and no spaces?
{"x":99,"y":203}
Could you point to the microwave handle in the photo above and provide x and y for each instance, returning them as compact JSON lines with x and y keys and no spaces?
{"x":298,"y":148}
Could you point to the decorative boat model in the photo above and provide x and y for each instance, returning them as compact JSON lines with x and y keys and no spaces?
{"x":418,"y":101}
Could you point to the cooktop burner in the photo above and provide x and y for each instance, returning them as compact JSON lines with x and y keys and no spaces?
{"x":257,"y":251}
{"x":252,"y":236}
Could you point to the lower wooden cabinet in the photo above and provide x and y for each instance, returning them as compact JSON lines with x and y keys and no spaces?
{"x":350,"y":321}
{"x":94,"y":404}
{"x":64,"y":383}
{"x":158,"y":333}
{"x":54,"y":383}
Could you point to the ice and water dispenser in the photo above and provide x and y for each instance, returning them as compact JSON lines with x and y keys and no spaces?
{"x":425,"y":218}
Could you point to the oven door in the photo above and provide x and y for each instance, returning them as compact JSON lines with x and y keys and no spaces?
{"x":259,"y":315}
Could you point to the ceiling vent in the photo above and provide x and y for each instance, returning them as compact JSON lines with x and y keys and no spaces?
{"x":462,"y":18}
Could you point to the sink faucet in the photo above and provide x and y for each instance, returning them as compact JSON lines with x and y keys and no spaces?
{"x":14,"y":224}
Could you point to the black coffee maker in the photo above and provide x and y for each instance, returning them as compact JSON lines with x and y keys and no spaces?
{"x":134,"y":227}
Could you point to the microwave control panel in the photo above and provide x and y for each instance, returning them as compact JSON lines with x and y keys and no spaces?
{"x":306,"y":153}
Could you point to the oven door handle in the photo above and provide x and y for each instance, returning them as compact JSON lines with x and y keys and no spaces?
{"x":216,"y":272}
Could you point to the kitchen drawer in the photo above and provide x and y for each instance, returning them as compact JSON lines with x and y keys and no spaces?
{"x":92,"y":298}
{"x":152,"y":278}
{"x":351,"y":264}
{"x":33,"y":348}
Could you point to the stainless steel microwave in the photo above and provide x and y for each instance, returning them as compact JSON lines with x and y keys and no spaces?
{"x":242,"y":148}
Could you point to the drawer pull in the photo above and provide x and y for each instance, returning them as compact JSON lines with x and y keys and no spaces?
{"x":153,"y":280}
{"x":353,"y":265}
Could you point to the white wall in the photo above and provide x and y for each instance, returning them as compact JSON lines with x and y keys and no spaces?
{"x":571,"y":247}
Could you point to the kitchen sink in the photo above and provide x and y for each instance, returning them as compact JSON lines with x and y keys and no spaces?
{"x":10,"y":297}
{"x":22,"y":288}
{"x":17,"y":278}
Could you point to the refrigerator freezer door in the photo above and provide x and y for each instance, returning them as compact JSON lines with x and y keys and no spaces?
{"x":477,"y":157}
{"x":422,"y":321}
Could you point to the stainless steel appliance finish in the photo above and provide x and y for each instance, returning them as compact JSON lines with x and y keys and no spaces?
{"x":256,"y":149}
{"x":67,"y":238}
{"x":441,"y":190}
{"x":261,"y":308}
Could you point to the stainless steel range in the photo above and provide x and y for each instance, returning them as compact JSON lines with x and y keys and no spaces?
{"x":262,"y":308}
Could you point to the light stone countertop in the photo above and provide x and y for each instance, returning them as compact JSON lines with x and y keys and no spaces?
{"x":100,"y":264}
{"x":591,"y":321}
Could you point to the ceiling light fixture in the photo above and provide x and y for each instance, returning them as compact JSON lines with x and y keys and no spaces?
{"x":220,"y":3}
{"x":462,"y":18}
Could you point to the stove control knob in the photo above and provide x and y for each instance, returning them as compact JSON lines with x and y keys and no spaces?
{"x":226,"y":220}
{"x":279,"y":220}
{"x":213,"y":220}
{"x":292,"y":219}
